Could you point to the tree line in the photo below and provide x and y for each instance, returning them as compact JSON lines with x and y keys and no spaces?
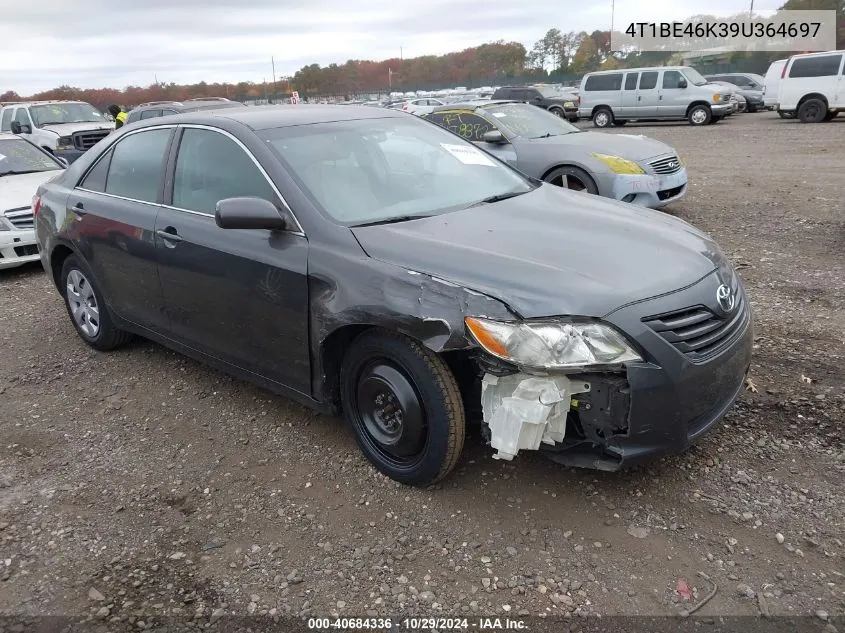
{"x":557,"y":56}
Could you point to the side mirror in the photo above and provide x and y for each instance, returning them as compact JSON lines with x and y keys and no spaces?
{"x":494,"y":136}
{"x":682,"y":83}
{"x":248,"y":213}
{"x":20,"y":128}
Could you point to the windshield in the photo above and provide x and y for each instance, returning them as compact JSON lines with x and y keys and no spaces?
{"x":694,"y":77}
{"x":390,"y":169}
{"x":65,"y":113}
{"x":549,"y":92}
{"x":529,"y":121}
{"x":20,"y":157}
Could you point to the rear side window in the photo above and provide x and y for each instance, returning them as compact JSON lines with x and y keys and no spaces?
{"x":211,"y":167}
{"x":612,"y":81}
{"x":150,"y":114}
{"x":96,"y":178}
{"x":648,"y":80}
{"x":817,"y":66}
{"x":137,"y":165}
{"x":631,"y":81}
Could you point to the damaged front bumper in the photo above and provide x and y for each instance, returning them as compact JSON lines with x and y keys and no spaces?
{"x":616,"y":419}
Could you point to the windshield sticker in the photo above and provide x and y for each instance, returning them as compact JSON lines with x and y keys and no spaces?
{"x":498,"y":115}
{"x":468,"y":155}
{"x":2,"y":157}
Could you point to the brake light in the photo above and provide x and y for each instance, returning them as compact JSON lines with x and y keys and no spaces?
{"x":405,"y":107}
{"x":36,"y":205}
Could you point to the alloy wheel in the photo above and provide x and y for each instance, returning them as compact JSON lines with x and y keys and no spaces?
{"x":83,"y":303}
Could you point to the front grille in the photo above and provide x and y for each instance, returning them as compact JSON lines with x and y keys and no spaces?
{"x":698,"y":332}
{"x":668,"y":165}
{"x":21,"y":218}
{"x":86,"y":140}
{"x":24,"y":251}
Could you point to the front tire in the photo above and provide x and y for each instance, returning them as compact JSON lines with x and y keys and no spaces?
{"x":602,"y":118}
{"x":87,"y":309}
{"x":570,"y":177}
{"x":404,"y":406}
{"x":812,"y":111}
{"x":699,"y":115}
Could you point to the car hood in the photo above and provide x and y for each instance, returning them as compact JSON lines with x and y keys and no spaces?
{"x":66,"y":129}
{"x":17,"y":191}
{"x":551,"y":252}
{"x":630,"y":146}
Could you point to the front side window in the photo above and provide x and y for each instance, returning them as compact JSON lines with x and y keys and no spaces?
{"x":519,"y":119}
{"x":384,"y":170}
{"x":53,"y":113}
{"x":20,"y":157}
{"x":22,"y":117}
{"x":672,"y":79}
{"x":211,"y":167}
{"x":137,"y":165}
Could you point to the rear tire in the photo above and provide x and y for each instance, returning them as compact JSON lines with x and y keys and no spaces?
{"x":404,"y":406}
{"x":603,"y":118}
{"x":812,"y":111}
{"x":87,"y":308}
{"x":699,"y":115}
{"x":574,"y":178}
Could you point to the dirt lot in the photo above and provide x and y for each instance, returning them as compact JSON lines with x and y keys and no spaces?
{"x":139,"y":484}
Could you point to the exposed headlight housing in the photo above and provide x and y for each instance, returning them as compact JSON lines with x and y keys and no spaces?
{"x":552,"y":344}
{"x":619,"y":165}
{"x":65,"y":142}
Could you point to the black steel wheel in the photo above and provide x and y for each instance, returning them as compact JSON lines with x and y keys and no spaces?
{"x":404,"y":406}
{"x":812,"y":111}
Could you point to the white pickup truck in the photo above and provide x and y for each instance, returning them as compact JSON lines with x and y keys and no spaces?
{"x":66,"y":129}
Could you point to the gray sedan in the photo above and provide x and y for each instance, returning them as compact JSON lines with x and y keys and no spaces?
{"x":630,"y":168}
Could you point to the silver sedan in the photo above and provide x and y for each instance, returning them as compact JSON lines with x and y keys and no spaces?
{"x":625,"y":167}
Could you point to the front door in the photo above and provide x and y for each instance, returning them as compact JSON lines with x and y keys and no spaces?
{"x":112,"y":215}
{"x":673,"y":99}
{"x":238,"y":295}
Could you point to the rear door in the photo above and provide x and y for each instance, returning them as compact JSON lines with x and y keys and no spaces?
{"x":113,"y":212}
{"x":238,"y":295}
{"x":648,"y":95}
{"x":630,"y":97}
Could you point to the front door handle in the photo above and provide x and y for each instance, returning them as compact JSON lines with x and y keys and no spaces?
{"x":169,"y":234}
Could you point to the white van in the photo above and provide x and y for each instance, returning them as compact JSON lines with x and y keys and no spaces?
{"x":772,"y":82}
{"x":812,"y":86}
{"x":665,"y":93}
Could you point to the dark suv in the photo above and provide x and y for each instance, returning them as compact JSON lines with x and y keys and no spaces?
{"x":165,"y":108}
{"x":563,"y":104}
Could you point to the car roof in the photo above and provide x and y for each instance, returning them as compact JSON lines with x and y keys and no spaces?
{"x":275,"y":116}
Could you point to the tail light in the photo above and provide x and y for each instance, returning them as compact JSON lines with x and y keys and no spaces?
{"x":36,"y":205}
{"x":405,"y":107}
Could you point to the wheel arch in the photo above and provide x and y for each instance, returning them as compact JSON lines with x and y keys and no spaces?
{"x":697,"y":103}
{"x":812,"y":95}
{"x":58,"y":255}
{"x":601,"y":106}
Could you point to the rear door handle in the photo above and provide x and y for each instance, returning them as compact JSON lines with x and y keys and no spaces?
{"x":169,"y":234}
{"x":79,"y":209}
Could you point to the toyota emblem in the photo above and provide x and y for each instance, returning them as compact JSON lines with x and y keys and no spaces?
{"x":725,"y":298}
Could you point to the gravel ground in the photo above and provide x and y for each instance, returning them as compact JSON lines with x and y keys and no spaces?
{"x":140,"y":484}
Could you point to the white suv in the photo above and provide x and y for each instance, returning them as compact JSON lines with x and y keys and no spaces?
{"x":66,"y":129}
{"x":812,"y":86}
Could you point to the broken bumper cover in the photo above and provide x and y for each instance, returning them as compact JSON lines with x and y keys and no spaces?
{"x":650,"y":190}
{"x":628,"y":417}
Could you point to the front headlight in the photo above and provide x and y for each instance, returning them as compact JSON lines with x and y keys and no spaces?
{"x":5,"y":225}
{"x":552,"y":345}
{"x":65,"y":142}
{"x":619,"y":165}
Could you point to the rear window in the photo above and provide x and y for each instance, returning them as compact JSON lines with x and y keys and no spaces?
{"x":817,"y":66}
{"x":612,"y":81}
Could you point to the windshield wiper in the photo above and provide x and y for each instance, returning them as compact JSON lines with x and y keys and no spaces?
{"x":398,"y":218}
{"x":20,"y":172}
{"x":498,"y":198}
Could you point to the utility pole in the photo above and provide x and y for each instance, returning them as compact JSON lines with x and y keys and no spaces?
{"x":390,"y":78}
{"x":401,"y":58}
{"x":751,"y":10}
{"x":273,"y":62}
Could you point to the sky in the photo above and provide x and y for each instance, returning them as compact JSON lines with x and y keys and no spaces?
{"x":102,"y":43}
